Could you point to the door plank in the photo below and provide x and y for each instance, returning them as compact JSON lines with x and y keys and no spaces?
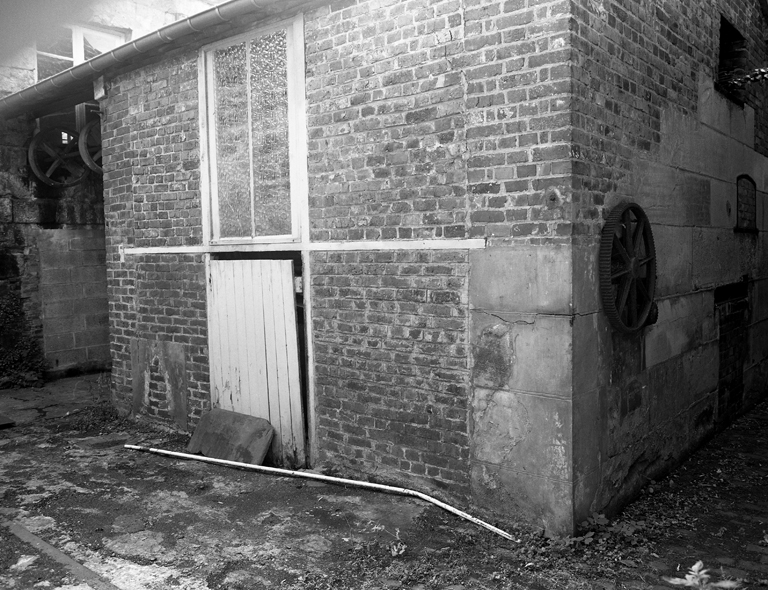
{"x":292,"y":361}
{"x":281,"y":354}
{"x":254,"y":342}
{"x":233,"y":366}
{"x":218,"y":332}
{"x":271,"y":358}
{"x":240,"y":330}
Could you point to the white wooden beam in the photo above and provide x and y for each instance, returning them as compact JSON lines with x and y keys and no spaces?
{"x":457,"y":244}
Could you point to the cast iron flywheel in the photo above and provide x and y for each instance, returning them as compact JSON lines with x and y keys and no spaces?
{"x":89,"y":145}
{"x":55,"y":158}
{"x":628,"y":269}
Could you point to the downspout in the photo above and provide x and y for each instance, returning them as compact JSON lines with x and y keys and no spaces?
{"x":24,"y":100}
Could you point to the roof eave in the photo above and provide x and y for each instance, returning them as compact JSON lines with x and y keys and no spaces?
{"x":73,"y":84}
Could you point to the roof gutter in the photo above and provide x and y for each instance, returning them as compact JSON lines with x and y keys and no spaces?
{"x":49,"y":89}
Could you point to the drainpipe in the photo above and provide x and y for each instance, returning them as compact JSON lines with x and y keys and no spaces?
{"x":337,"y":480}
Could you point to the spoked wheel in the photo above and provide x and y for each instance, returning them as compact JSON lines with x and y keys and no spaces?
{"x":89,"y":145}
{"x":628,"y":269}
{"x":55,"y":158}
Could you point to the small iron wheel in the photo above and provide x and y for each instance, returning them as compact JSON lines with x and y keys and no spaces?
{"x":89,"y":145}
{"x":627,"y":268}
{"x":55,"y":158}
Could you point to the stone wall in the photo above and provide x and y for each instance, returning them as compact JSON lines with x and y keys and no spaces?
{"x":651,"y":127}
{"x":29,"y":215}
{"x":73,"y":283}
{"x":21,"y":359}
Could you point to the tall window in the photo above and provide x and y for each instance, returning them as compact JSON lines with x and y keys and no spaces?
{"x":732,"y":61}
{"x":254,"y":110}
{"x":67,"y":47}
{"x":64,"y":48}
{"x":746,"y":204}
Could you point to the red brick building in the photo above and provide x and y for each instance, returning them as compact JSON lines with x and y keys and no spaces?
{"x":384,"y":225}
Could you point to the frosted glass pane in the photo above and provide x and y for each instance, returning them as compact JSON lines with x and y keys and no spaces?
{"x":230,"y":80}
{"x":269,"y":128}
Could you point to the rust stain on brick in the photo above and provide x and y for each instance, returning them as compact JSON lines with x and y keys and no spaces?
{"x":159,"y":380}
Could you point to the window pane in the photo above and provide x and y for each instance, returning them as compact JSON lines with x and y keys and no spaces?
{"x":269,"y":128}
{"x":58,"y":42}
{"x":98,"y":42}
{"x":231,"y":120}
{"x":48,"y":66}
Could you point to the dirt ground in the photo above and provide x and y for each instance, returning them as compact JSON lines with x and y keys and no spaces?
{"x":79,"y":511}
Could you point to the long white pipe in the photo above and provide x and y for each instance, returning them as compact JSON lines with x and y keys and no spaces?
{"x":330,"y":479}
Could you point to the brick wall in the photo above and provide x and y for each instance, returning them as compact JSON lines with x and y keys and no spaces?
{"x":455,"y":118}
{"x":516,"y":58}
{"x":391,"y":360}
{"x":386,"y":126}
{"x":170,"y":307}
{"x":425,"y":120}
{"x":650,"y":126}
{"x":73,"y":286}
{"x":518,"y":121}
{"x":633,"y":62}
{"x":150,"y":137}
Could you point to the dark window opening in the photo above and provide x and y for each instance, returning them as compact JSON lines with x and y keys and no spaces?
{"x":746,"y":204}
{"x":732,"y":62}
{"x":732,"y":313}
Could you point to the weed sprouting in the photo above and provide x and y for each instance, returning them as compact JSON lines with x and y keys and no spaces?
{"x":698,"y":577}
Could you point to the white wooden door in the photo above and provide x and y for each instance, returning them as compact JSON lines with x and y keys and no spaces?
{"x":254,"y":348}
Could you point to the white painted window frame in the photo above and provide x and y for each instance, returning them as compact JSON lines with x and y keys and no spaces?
{"x":78,"y":33}
{"x":297,"y":137}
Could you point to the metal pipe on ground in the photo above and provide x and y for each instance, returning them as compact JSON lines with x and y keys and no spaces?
{"x":330,"y":479}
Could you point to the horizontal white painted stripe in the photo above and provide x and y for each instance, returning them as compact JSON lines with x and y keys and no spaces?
{"x":457,"y":244}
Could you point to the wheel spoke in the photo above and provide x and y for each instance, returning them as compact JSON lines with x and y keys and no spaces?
{"x":97,"y":155}
{"x":639,"y":231}
{"x":53,"y":168}
{"x":623,"y":294}
{"x":646,"y":260}
{"x":61,"y":157}
{"x":633,"y":305}
{"x":73,"y":168}
{"x":618,"y":274}
{"x":627,"y":221}
{"x":622,"y":251}
{"x":50,"y":151}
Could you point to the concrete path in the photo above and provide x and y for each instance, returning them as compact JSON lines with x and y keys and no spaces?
{"x":55,"y":399}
